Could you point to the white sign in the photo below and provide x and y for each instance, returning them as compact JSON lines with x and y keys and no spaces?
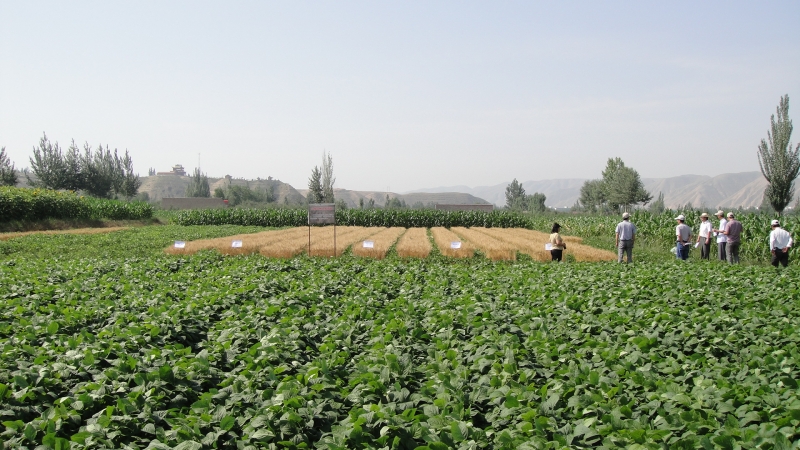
{"x":455,"y":244}
{"x":236,"y":244}
{"x":369,"y":244}
{"x":180,"y":244}
{"x":548,"y":246}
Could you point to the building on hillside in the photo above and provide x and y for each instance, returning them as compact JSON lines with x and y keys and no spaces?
{"x":177,"y":169}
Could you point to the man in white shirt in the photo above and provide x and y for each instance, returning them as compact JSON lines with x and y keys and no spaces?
{"x":625,"y":237}
{"x":722,"y":240}
{"x":704,"y":236}
{"x":683,"y":238}
{"x":780,"y":241}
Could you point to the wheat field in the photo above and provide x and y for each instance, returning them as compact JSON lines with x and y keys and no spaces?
{"x":493,"y":248}
{"x":382,"y":242}
{"x":444,"y":237}
{"x":495,"y":243}
{"x":414,"y":244}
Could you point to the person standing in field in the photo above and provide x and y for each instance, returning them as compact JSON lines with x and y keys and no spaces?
{"x":683,"y":239}
{"x":704,"y":236}
{"x":722,"y":240}
{"x":733,"y":233}
{"x":557,"y":245}
{"x":625,"y":236}
{"x":780,"y":241}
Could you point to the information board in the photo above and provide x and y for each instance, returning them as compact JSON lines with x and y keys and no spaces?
{"x":180,"y":244}
{"x":236,"y":244}
{"x":455,"y":244}
{"x":322,"y":214}
{"x":369,"y":244}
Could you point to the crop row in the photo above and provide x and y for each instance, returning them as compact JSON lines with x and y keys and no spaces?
{"x":40,"y":204}
{"x":210,"y":351}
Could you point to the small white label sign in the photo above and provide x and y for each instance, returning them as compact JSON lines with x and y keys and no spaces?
{"x":548,"y":246}
{"x":455,"y":244}
{"x":180,"y":244}
{"x":236,"y":244}
{"x":369,"y":244}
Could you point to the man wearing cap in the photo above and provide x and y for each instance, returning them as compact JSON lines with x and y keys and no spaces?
{"x":625,"y":235}
{"x":683,"y":235}
{"x":780,"y":241}
{"x":722,"y":240}
{"x":704,"y":236}
{"x":733,"y":233}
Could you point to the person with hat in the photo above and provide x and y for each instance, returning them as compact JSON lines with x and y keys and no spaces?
{"x":780,"y":241}
{"x":625,"y":237}
{"x":557,"y":245}
{"x":733,"y":234}
{"x":704,"y":236}
{"x":683,"y":235}
{"x":722,"y":240}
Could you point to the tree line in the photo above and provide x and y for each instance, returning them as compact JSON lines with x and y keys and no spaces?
{"x":98,"y":172}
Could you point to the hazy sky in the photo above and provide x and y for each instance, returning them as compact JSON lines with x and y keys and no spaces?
{"x":404,"y":95}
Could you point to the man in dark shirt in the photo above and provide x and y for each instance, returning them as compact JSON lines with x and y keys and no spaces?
{"x":733,"y":231}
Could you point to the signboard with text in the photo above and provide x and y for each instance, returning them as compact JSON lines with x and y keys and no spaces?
{"x":322,"y":214}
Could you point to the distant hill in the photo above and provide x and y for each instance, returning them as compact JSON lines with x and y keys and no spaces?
{"x":745,"y":189}
{"x":161,"y":186}
{"x":352,"y":197}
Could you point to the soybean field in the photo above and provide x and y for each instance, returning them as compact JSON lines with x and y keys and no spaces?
{"x":108,"y":342}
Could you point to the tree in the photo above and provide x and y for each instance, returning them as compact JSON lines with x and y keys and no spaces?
{"x":622,"y":186}
{"x":8,"y":176}
{"x":361,"y":203}
{"x":658,"y":206}
{"x":47,"y":164}
{"x":315,"y":186}
{"x":593,"y":196}
{"x":219,"y":193}
{"x":778,"y":162}
{"x":328,"y":180}
{"x":131,"y":181}
{"x":536,"y":202}
{"x":198,"y":185}
{"x":515,"y":195}
{"x":102,"y":171}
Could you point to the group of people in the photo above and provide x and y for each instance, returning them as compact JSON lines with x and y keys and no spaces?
{"x":728,"y":236}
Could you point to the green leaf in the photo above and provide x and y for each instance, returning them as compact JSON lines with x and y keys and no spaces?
{"x":52,"y":328}
{"x":188,"y":445}
{"x":80,"y":437}
{"x":227,"y":423}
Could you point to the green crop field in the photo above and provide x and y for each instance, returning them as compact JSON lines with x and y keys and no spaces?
{"x":108,"y":343}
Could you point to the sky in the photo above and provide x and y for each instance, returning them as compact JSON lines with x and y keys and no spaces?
{"x":403,"y":95}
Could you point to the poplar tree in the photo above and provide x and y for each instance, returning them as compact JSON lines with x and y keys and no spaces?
{"x":198,"y":185}
{"x":515,"y":195}
{"x":315,"y":186}
{"x":778,"y":162}
{"x":328,"y":180}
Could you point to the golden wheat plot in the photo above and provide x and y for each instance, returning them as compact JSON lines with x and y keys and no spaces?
{"x":382,"y":242}
{"x":491,"y":247}
{"x":443,"y":239}
{"x":16,"y":234}
{"x":345,"y":237}
{"x":532,"y":243}
{"x":251,"y":243}
{"x":414,"y":244}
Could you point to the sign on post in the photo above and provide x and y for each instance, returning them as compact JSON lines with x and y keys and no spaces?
{"x":369,"y":244}
{"x":236,"y":244}
{"x":322,"y":214}
{"x":455,"y":244}
{"x":180,"y":244}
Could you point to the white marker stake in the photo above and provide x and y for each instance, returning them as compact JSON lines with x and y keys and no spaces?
{"x":548,"y":246}
{"x":180,"y":244}
{"x":369,"y":244}
{"x":236,"y":244}
{"x":455,"y":244}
